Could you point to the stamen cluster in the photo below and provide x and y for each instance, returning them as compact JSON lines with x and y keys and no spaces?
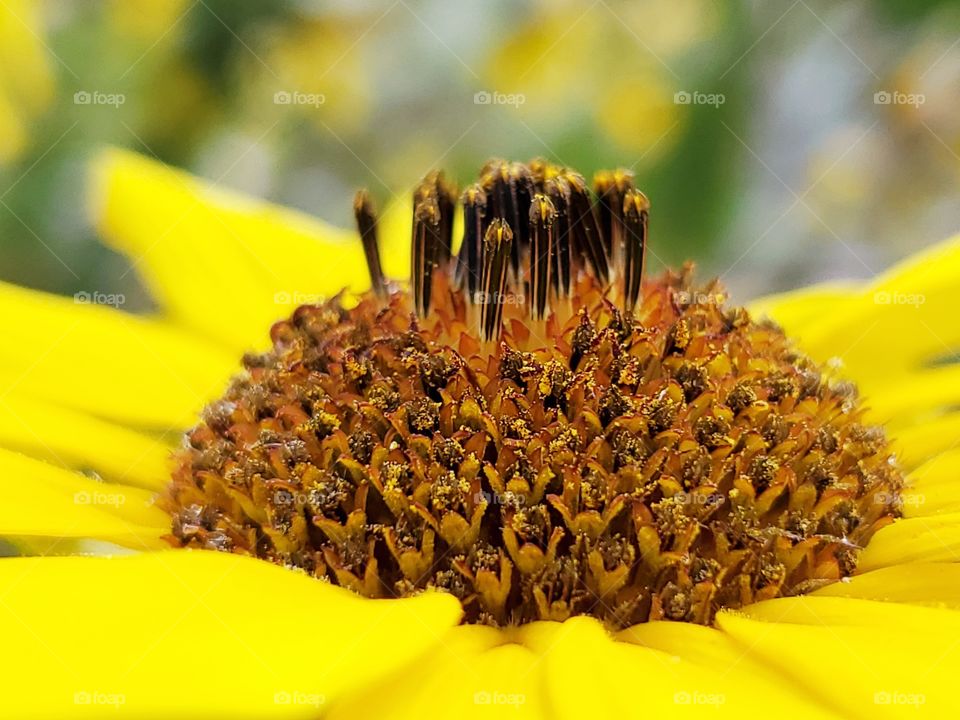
{"x":530,"y":429}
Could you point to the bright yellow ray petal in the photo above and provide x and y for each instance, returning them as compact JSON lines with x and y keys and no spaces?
{"x":40,"y":500}
{"x":73,"y":439}
{"x":926,"y":440}
{"x":471,"y":673}
{"x":798,"y":310}
{"x":837,"y":612}
{"x":196,"y":634}
{"x":923,"y":539}
{"x":587,"y":673}
{"x":866,"y":659}
{"x":752,"y":687}
{"x":106,"y":362}
{"x":906,"y":317}
{"x":934,"y":487}
{"x":888,"y":336}
{"x":220,"y":263}
{"x":934,"y":584}
{"x":910,"y":399}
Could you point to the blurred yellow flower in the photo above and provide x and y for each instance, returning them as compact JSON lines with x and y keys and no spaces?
{"x":26,"y":78}
{"x":640,"y":114}
{"x":601,"y":62}
{"x":147,"y":20}
{"x":312,"y":70}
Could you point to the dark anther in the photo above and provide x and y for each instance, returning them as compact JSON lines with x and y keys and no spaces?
{"x":558,"y":191}
{"x":496,"y":251}
{"x":587,"y":237}
{"x":426,"y":249}
{"x":367,"y":225}
{"x":611,"y":189}
{"x":510,"y":189}
{"x":542,"y":251}
{"x":474,"y":228}
{"x":636,"y":214}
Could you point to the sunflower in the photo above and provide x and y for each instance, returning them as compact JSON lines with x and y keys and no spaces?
{"x":528,"y":485}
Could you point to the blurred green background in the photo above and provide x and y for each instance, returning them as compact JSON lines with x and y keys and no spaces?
{"x":779,"y":143}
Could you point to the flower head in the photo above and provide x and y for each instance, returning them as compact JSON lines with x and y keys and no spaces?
{"x":531,"y":430}
{"x":566,"y":450}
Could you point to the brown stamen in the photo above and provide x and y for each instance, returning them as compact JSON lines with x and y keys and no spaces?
{"x":366,"y":219}
{"x":497,"y":248}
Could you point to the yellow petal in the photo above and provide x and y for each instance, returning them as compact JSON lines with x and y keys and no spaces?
{"x":925,"y":440}
{"x":934,"y":487}
{"x":906,"y":317}
{"x":934,"y":584}
{"x":838,"y":612}
{"x":797,"y":311}
{"x":587,"y":673}
{"x":196,"y":634}
{"x":915,"y":397}
{"x":222,"y":264}
{"x":889,"y":337}
{"x":40,"y":500}
{"x":76,"y":440}
{"x":472,"y":673}
{"x":106,"y":362}
{"x":864,"y":659}
{"x":923,"y":539}
{"x":888,"y":334}
{"x":751,"y":688}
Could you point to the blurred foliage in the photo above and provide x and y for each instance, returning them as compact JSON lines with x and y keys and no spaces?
{"x":301,"y":102}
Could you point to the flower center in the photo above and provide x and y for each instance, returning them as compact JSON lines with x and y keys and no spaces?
{"x":532,"y":430}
